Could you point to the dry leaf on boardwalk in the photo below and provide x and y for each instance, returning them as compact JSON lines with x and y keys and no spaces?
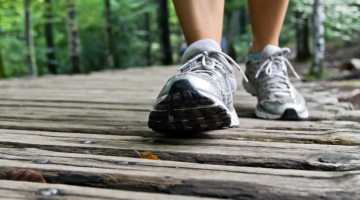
{"x":146,"y":155}
{"x":26,"y":175}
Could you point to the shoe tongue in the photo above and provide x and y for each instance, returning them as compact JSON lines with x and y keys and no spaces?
{"x":198,"y":47}
{"x":268,"y":51}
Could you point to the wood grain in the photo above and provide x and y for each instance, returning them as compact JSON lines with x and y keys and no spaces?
{"x":34,"y":191}
{"x":183,"y":178}
{"x":47,"y":123}
{"x":222,"y":152}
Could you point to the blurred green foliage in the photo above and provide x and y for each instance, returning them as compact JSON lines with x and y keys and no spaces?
{"x":342,"y":17}
{"x":128,"y":23}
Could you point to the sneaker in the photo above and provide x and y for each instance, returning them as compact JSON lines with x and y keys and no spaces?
{"x":269,"y":81}
{"x":201,"y":96}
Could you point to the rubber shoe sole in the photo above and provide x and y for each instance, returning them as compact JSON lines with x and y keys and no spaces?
{"x":289,"y":114}
{"x":185,"y":109}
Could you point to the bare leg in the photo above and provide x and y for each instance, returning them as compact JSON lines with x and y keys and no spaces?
{"x":200,"y":19}
{"x":267,"y":18}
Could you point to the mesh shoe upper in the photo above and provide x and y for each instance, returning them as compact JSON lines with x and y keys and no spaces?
{"x":209,"y":72}
{"x":270,"y":82}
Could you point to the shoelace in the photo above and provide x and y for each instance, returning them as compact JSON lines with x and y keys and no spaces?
{"x":214,"y":63}
{"x":267,"y":67}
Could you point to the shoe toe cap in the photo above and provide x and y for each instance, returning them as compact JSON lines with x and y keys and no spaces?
{"x":189,"y":82}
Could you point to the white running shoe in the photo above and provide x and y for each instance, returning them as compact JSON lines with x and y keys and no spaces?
{"x":201,"y":96}
{"x":269,"y":81}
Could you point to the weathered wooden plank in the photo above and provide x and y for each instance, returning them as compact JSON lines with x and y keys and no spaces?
{"x":74,"y":93}
{"x":109,"y":98}
{"x":129,"y":79}
{"x":27,"y":190}
{"x":141,"y":115}
{"x":74,"y":105}
{"x":182,"y":178}
{"x":244,"y":103}
{"x":117,"y":128}
{"x":122,"y":94}
{"x":115,"y":115}
{"x":314,"y":134}
{"x":92,"y":97}
{"x":88,"y":99}
{"x":84,"y":116}
{"x":105,"y":110}
{"x":342,"y":133}
{"x":86,"y":85}
{"x":93,"y":105}
{"x":272,"y":124}
{"x":223,"y":152}
{"x":245,"y":107}
{"x":79,"y":119}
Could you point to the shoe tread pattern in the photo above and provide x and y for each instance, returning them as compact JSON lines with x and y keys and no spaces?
{"x":183,"y":110}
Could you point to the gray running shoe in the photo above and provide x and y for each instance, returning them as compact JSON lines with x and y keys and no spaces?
{"x":200,"y":97}
{"x":269,"y":81}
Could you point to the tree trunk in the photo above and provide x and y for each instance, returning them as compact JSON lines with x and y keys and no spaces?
{"x":2,"y":70}
{"x":244,"y":19}
{"x":319,"y":40}
{"x":73,"y":37}
{"x":226,"y":32}
{"x":302,"y":36}
{"x":108,"y":38}
{"x":49,"y":35}
{"x":163,"y":21}
{"x":31,"y":62}
{"x":233,"y":29}
{"x":148,"y":39}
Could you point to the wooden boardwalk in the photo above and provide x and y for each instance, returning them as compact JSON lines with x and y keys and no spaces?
{"x":46,"y":124}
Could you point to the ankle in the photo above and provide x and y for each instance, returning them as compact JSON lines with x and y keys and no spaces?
{"x":256,"y":47}
{"x":254,"y":50}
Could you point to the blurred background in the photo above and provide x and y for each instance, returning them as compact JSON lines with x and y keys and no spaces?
{"x":39,"y":37}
